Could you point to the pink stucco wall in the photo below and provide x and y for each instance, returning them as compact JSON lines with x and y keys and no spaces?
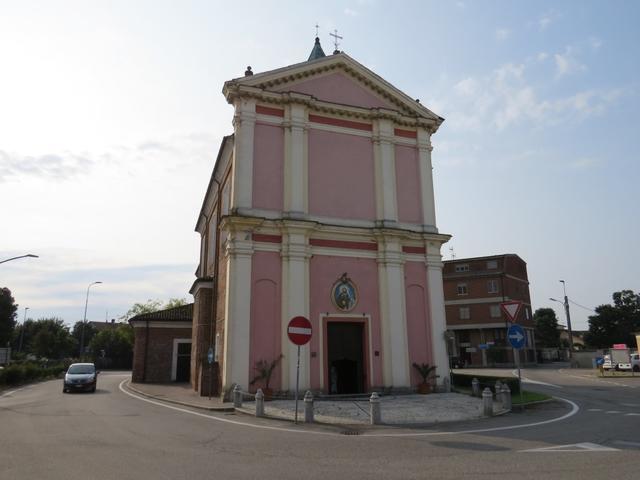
{"x":408,"y":184}
{"x":418,"y":319}
{"x":324,"y":271}
{"x":265,"y":344}
{"x":268,"y":167}
{"x":338,"y":88}
{"x":341,"y":175}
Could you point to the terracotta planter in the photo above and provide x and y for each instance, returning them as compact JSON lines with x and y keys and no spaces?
{"x":424,"y":388}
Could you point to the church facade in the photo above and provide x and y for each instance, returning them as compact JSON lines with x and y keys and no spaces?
{"x":321,"y":204}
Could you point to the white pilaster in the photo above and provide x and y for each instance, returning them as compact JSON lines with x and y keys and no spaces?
{"x":236,"y":368}
{"x":295,"y":301}
{"x":385,"y":171}
{"x":393,"y":314}
{"x":437,"y":311}
{"x":426,"y":179}
{"x":295,"y":159}
{"x":244,"y":122}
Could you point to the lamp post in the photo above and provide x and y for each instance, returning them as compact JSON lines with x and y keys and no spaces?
{"x":568,"y":315}
{"x":28,"y":255}
{"x":24,"y":319}
{"x":86,"y":303}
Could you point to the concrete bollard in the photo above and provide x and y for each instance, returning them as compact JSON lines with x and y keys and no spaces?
{"x":475,"y":387}
{"x":446,"y":385}
{"x":259,"y":403}
{"x":498,"y":391}
{"x":308,"y":407}
{"x":237,"y":397}
{"x":487,"y":402}
{"x":506,"y":397}
{"x":374,"y":409}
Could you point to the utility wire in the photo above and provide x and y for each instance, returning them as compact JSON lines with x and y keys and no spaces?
{"x":582,"y":306}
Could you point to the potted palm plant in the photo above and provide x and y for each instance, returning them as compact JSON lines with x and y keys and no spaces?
{"x":427,"y":373}
{"x":264,"y":370}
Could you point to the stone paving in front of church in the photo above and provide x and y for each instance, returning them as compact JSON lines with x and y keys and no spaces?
{"x":395,"y":409}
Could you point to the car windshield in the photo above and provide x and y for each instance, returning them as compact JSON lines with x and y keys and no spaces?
{"x":81,"y":369}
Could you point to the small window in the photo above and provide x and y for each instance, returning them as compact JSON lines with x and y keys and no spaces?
{"x":462,"y":268}
{"x":499,"y":333}
{"x":465,"y":313}
{"x":462,"y":289}
{"x":526,"y":313}
{"x":492,"y":286}
{"x":492,"y":264}
{"x":495,"y":311}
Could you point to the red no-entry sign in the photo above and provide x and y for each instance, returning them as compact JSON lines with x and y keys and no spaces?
{"x":299,"y":330}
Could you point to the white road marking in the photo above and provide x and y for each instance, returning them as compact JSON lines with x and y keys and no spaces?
{"x":632,"y":414}
{"x":593,"y":379}
{"x":9,"y":393}
{"x":612,"y":411}
{"x":534,"y":382}
{"x":574,"y":409}
{"x":574,"y":447}
{"x":594,"y":410}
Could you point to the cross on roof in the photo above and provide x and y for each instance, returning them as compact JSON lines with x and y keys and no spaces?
{"x":317,"y":27}
{"x":335,"y":40}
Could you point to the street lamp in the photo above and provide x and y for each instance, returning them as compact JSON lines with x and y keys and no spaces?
{"x":29,"y":255}
{"x":86,"y":303}
{"x":22,"y":329}
{"x":568,"y":315}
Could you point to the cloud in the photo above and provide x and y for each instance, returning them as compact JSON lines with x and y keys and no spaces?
{"x":502,"y":34}
{"x":584,"y":163}
{"x":547,"y":19}
{"x":542,"y":56}
{"x":595,"y":43}
{"x":506,"y":97}
{"x":50,"y":166}
{"x":350,"y":12}
{"x":566,"y":63}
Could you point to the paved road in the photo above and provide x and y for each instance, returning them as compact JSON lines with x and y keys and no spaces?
{"x":112,"y":435}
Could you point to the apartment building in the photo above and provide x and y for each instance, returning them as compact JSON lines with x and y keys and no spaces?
{"x":474,"y":288}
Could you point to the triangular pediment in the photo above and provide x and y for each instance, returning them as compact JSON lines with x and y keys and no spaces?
{"x":337,"y":79}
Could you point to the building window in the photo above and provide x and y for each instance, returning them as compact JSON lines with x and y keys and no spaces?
{"x":495,"y":311}
{"x":499,"y":333}
{"x":492,"y":286}
{"x":465,"y":313}
{"x":462,"y":268}
{"x":462,"y":289}
{"x":492,"y":264}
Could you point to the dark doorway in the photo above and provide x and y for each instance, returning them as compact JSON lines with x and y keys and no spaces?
{"x":345,"y":346}
{"x":183,"y":366}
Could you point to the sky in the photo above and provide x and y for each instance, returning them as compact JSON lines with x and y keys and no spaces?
{"x":111,"y":114}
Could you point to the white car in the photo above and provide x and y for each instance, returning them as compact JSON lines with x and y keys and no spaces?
{"x":635,"y":362}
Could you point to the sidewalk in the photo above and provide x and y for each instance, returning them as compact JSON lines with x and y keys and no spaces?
{"x":396,"y":409}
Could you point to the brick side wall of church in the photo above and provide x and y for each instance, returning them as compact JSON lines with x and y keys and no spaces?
{"x":159,"y":355}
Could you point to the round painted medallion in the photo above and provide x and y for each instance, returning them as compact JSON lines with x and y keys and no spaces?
{"x":344,"y":294}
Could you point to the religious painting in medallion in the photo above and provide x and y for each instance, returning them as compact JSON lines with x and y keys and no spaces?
{"x":344,"y":294}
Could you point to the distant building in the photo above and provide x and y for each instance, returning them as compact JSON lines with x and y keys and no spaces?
{"x":473,"y":291}
{"x":162,"y":347}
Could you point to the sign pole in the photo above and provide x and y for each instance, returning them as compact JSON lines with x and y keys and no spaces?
{"x":297,"y":384}
{"x":516,"y":354}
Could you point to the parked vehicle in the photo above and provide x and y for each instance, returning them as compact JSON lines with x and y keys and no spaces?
{"x":635,"y":362}
{"x":620,"y":358}
{"x":80,"y":377}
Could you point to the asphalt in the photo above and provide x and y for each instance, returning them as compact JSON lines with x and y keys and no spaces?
{"x":398,"y":410}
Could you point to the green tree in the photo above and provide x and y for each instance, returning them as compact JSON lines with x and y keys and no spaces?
{"x":8,"y":309}
{"x":113,"y":347}
{"x":140,"y":308}
{"x":175,"y":302}
{"x":50,"y":338}
{"x":89,"y":332}
{"x":546,"y":328}
{"x":615,"y":323}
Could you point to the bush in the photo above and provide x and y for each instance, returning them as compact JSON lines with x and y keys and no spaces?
{"x":464,"y":381}
{"x":16,"y":374}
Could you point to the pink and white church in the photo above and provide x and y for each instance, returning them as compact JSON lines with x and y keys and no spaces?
{"x":321,"y":204}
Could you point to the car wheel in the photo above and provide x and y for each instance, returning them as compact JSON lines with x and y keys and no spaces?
{"x":93,"y":390}
{"x":636,"y":368}
{"x":64,"y":390}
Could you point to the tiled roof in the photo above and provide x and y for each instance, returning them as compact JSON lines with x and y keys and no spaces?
{"x":176,"y":314}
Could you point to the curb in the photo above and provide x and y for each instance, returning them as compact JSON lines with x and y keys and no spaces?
{"x":178,"y":402}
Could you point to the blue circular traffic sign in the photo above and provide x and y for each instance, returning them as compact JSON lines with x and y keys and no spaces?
{"x":516,"y":335}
